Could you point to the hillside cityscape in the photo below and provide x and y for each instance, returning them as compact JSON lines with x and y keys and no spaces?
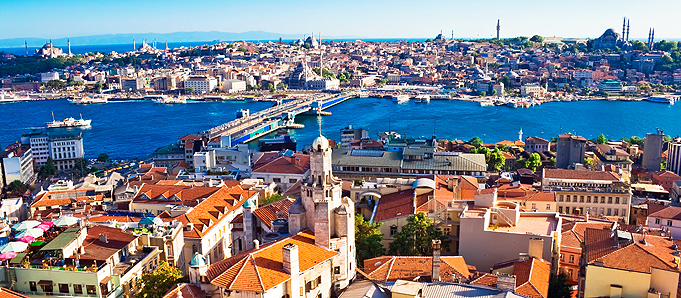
{"x":347,"y":168}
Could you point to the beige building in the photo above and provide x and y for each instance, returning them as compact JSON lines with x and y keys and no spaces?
{"x":622,"y":264}
{"x":597,"y":193}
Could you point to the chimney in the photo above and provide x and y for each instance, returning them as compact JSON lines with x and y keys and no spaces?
{"x":435,"y":277}
{"x":290,"y":259}
{"x":535,"y":248}
{"x":256,"y":244}
{"x":102,"y":237}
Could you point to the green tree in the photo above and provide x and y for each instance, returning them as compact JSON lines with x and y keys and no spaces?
{"x":534,"y":161}
{"x":416,"y":237}
{"x":343,"y":78}
{"x":537,"y":38}
{"x":506,"y":81}
{"x":383,"y":81}
{"x":475,"y":141}
{"x":639,"y":46}
{"x":275,"y":197}
{"x":494,"y":92}
{"x":282,"y":86}
{"x":98,"y":86}
{"x":368,"y":239}
{"x":270,"y":87}
{"x":496,"y":160}
{"x":157,"y":283}
{"x":103,"y":157}
{"x":663,"y":165}
{"x":48,"y":169}
{"x":190,"y":90}
{"x":559,"y":286}
{"x":56,"y":84}
{"x":601,"y":139}
{"x":589,"y":161}
{"x":483,"y":93}
{"x":552,"y":161}
{"x":81,"y":168}
{"x":521,"y":163}
{"x":17,"y":186}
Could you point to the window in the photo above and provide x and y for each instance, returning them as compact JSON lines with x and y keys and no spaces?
{"x":617,"y":200}
{"x":319,"y":281}
{"x":562,"y":257}
{"x":33,"y":286}
{"x":560,"y":209}
{"x":91,"y":290}
{"x":609,"y":200}
{"x":548,"y":206}
{"x":308,"y":286}
{"x":617,"y":211}
{"x":276,"y":180}
{"x":624,"y":212}
{"x":560,"y":198}
{"x":572,"y":258}
{"x":588,"y":199}
{"x":292,"y":181}
{"x":567,"y":210}
{"x":581,"y":199}
{"x":669,"y":222}
{"x":336,"y":270}
{"x":624,"y":200}
{"x":570,"y":273}
{"x":393,"y":231}
{"x":534,"y":206}
{"x":602,"y":200}
{"x":601,"y":211}
{"x":77,"y":289}
{"x":64,"y":288}
{"x":609,"y":212}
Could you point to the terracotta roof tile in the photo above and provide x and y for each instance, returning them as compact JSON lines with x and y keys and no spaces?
{"x":186,"y":290}
{"x":670,"y":212}
{"x":580,"y":174}
{"x":296,"y":164}
{"x":7,"y":293}
{"x":392,"y":268}
{"x":262,"y":269}
{"x":266,"y":214}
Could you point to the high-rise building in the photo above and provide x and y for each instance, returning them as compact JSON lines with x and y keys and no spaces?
{"x":674,"y":156}
{"x":570,"y":150}
{"x":652,"y":150}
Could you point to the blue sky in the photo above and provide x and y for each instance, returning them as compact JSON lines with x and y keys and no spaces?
{"x":368,"y":18}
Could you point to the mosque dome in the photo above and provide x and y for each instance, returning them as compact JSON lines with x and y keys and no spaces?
{"x":197,"y":261}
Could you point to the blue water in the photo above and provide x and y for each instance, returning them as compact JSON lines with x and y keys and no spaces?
{"x":135,"y":129}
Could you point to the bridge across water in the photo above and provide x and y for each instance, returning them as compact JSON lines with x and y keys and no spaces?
{"x":252,"y":126}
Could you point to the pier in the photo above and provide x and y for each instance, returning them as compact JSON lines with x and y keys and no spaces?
{"x":249,"y":127}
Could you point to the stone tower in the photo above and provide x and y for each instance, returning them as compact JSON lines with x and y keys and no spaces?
{"x":323,"y":209}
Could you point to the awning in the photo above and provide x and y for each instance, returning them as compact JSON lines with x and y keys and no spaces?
{"x":105,"y":280}
{"x":45,"y":283}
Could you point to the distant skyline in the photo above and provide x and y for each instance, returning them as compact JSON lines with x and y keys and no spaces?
{"x":351,"y":18}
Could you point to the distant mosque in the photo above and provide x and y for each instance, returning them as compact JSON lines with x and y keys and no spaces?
{"x":610,"y":39}
{"x":50,"y":51}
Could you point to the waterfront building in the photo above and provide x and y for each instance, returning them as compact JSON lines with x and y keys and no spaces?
{"x":536,"y":144}
{"x":652,"y":150}
{"x":133,"y":84}
{"x":570,"y":150}
{"x":596,"y":193}
{"x":223,"y":159}
{"x":610,"y":86}
{"x":627,"y":264}
{"x":233,"y":86}
{"x":165,"y":83}
{"x":17,"y":164}
{"x":48,"y":76}
{"x":532,"y":90}
{"x":201,"y":84}
{"x":168,"y":156}
{"x":65,"y":148}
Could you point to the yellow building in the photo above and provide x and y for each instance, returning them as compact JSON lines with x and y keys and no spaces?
{"x":622,"y":264}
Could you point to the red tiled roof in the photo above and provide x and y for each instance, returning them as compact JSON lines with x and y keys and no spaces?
{"x":670,"y":212}
{"x":173,"y":194}
{"x":532,"y":276}
{"x":580,"y":174}
{"x":186,"y":290}
{"x":392,"y":268}
{"x":262,"y":269}
{"x":399,"y":204}
{"x":266,"y":214}
{"x":65,"y":198}
{"x":636,"y":255}
{"x":7,"y":293}
{"x":101,"y":251}
{"x":296,"y":164}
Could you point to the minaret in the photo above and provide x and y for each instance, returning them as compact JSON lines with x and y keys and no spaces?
{"x":134,"y":46}
{"x":166,"y":45}
{"x":26,"y":46}
{"x":649,"y":31}
{"x":627,"y":39}
{"x":652,"y":40}
{"x":498,"y":28}
{"x":520,"y":134}
{"x":69,"y":42}
{"x":624,"y":24}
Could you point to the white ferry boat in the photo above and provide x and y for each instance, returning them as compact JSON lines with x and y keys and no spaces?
{"x":68,"y":122}
{"x":88,"y":100}
{"x":486,"y":103}
{"x":163,"y":99}
{"x":422,"y":98}
{"x":663,"y":99}
{"x":12,"y":97}
{"x":400,"y":98}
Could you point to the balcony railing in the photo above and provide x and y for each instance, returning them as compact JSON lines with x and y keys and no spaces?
{"x":587,"y":189}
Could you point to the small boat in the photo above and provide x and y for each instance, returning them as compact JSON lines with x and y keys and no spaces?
{"x":68,"y":122}
{"x":12,"y":97}
{"x":400,"y":98}
{"x":663,"y":99}
{"x":88,"y":100}
{"x":486,"y":103}
{"x":163,"y":99}
{"x":422,"y":98}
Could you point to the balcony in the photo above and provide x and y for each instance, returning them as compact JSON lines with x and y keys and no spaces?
{"x":587,"y":189}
